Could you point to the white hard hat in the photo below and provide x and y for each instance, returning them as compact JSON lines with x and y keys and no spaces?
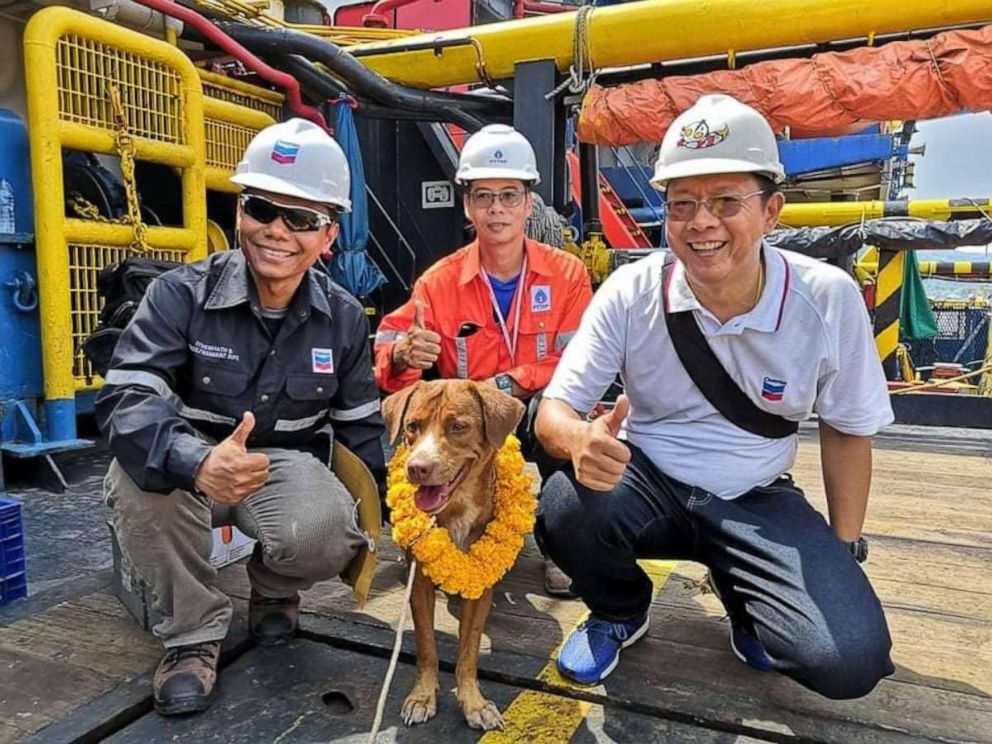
{"x":717,"y":134}
{"x":297,"y":158}
{"x":497,"y":151}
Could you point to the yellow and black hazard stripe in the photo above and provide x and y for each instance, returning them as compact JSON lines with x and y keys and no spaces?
{"x":888,"y":296}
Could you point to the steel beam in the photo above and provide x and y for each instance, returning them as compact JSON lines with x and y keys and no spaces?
{"x":655,"y":31}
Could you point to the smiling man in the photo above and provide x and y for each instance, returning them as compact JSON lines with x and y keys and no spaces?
{"x":501,"y":309}
{"x":224,"y":396}
{"x":722,"y":351}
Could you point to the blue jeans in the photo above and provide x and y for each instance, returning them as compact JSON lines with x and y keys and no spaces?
{"x":781,"y":571}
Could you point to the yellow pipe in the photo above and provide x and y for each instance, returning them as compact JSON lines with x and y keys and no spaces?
{"x":235,"y":113}
{"x":89,"y":232}
{"x":240,"y":86}
{"x":657,"y":31}
{"x":844,"y":213}
{"x":90,"y":139}
{"x":219,"y":179}
{"x":52,"y":258}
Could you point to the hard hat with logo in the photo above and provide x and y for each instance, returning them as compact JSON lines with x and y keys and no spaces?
{"x":717,"y":134}
{"x":297,"y":158}
{"x":497,"y":151}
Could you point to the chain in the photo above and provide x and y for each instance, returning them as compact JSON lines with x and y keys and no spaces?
{"x":126,"y":150}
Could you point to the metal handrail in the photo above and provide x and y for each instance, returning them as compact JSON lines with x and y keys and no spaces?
{"x":626,"y":169}
{"x":403,"y":241}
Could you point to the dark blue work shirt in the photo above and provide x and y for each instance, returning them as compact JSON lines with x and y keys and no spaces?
{"x":197,"y":355}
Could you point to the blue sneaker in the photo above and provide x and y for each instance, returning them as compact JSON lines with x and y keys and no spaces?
{"x":745,"y":646}
{"x":593,"y":649}
{"x":748,"y":649}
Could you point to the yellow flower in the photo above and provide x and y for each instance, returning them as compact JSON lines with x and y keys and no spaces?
{"x":488,"y":559}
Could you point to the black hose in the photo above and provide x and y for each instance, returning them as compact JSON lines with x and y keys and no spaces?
{"x":359,"y":78}
{"x":322,"y":87}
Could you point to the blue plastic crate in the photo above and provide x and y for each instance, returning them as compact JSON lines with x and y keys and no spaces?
{"x":13,"y":580}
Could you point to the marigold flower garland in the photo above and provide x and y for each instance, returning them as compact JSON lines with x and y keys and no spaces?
{"x":488,"y":558}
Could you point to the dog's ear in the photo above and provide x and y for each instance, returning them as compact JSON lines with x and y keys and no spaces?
{"x":394,"y":410}
{"x":500,"y":413}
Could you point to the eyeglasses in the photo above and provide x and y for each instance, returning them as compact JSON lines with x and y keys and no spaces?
{"x":485,"y":199}
{"x":683,"y":210}
{"x":296,"y":219}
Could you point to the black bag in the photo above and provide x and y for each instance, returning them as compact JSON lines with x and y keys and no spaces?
{"x":714,"y":383}
{"x":121,"y":285}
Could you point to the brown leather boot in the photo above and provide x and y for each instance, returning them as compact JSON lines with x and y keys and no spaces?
{"x":186,"y":679}
{"x":272,"y":622}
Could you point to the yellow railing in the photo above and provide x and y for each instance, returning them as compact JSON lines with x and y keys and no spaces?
{"x":234,"y":112}
{"x":73,"y":61}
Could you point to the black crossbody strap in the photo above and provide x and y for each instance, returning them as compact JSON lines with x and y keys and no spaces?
{"x":712,"y":379}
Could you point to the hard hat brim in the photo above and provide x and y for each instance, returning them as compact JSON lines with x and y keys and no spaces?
{"x":481,"y":174}
{"x":712,"y":166}
{"x":275,"y":185}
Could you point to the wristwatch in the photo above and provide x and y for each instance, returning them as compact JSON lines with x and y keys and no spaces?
{"x":859,"y":549}
{"x":504,"y":383}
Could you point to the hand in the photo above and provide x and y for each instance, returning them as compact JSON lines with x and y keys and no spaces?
{"x":421,"y":348}
{"x":599,"y":458}
{"x":230,"y":473}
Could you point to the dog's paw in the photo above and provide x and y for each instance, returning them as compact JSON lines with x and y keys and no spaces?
{"x":419,"y":707}
{"x":485,"y":716}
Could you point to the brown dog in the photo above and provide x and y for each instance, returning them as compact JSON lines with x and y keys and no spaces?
{"x":453,"y":429}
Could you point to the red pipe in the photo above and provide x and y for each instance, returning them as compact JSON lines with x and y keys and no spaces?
{"x":377,"y":18}
{"x":520,"y":7}
{"x":229,"y":45}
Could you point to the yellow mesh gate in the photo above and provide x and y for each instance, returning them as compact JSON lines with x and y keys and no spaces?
{"x":76,"y":67}
{"x":150,"y":91}
{"x":85,"y":262}
{"x":234,"y":111}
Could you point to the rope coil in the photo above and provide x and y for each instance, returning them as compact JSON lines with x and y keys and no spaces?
{"x":578,"y":81}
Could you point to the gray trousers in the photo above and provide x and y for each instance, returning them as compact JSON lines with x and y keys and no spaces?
{"x":304,"y":519}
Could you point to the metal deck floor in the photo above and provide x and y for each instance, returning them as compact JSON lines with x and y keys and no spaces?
{"x":75,"y":667}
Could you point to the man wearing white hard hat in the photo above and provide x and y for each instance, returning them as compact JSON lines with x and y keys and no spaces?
{"x":501,"y":309}
{"x":722,"y":351}
{"x":223,"y":401}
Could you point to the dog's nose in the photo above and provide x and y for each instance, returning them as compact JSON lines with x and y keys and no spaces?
{"x":418,"y":469}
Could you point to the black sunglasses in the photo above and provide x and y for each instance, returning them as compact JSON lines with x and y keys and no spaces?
{"x":296,"y":219}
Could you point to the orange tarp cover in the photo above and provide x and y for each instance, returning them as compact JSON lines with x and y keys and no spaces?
{"x":829,"y":94}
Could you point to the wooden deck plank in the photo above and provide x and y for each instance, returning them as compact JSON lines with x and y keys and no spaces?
{"x":931,"y":525}
{"x":929,"y":564}
{"x":940,"y":498}
{"x":36,"y":690}
{"x":276,"y":695}
{"x":93,"y":632}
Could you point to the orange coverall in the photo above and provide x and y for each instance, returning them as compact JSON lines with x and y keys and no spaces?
{"x":554,"y":292}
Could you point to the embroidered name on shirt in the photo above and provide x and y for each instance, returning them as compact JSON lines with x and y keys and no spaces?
{"x":210,"y":351}
{"x":540,"y":298}
{"x":323,"y":360}
{"x":772,"y":389}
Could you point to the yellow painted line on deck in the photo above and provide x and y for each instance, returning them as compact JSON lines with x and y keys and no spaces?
{"x":535,"y":717}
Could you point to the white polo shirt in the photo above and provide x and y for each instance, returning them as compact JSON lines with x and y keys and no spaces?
{"x":806,"y":346}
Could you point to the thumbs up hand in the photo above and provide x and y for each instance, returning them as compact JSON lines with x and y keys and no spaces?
{"x":420,"y":348}
{"x":230,"y":473}
{"x":599,"y":458}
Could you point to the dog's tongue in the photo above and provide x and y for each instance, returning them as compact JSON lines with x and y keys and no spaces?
{"x":430,"y":498}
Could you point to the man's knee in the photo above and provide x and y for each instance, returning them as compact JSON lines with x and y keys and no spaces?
{"x":845,"y":669}
{"x":318,"y":549}
{"x":568,"y":519}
